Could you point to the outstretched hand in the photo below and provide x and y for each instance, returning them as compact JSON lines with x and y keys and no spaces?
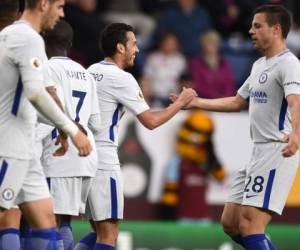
{"x":173,"y":97}
{"x":186,"y":97}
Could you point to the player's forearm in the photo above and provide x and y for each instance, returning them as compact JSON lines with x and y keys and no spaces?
{"x":42,"y":119}
{"x":43,"y":102}
{"x":226,"y":104}
{"x":153,"y":119}
{"x":294,"y":107}
{"x":52,"y":92}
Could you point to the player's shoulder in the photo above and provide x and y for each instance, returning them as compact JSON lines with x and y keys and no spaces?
{"x":258,"y":64}
{"x":259,"y":61}
{"x":22,"y":32}
{"x":287,"y":61}
{"x":109,"y":70}
{"x":288,"y":57}
{"x":65,"y":62}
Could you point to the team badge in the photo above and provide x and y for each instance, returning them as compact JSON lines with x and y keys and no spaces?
{"x":263,"y":78}
{"x":36,"y":63}
{"x":8,"y":194}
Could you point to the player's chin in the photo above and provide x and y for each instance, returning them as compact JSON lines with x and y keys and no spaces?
{"x":131,"y":63}
{"x":52,"y":25}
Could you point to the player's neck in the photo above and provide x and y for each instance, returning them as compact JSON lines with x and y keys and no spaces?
{"x":116,"y":61}
{"x":33,"y":18}
{"x":275,"y":49}
{"x":53,"y":52}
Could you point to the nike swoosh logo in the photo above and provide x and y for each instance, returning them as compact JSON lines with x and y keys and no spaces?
{"x":250,"y":196}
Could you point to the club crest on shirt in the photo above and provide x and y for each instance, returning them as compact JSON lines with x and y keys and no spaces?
{"x":140,"y":95}
{"x":8,"y":194}
{"x":36,"y":63}
{"x":263,"y":77}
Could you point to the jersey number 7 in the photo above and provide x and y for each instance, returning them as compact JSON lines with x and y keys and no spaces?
{"x":81,"y":95}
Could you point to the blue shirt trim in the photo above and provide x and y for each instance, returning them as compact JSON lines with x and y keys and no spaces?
{"x":115,"y":119}
{"x":282,"y":114}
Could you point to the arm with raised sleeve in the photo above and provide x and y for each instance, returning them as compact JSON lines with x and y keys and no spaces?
{"x":28,"y":54}
{"x":290,"y":79}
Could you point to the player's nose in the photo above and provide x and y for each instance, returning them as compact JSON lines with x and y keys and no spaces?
{"x":62,"y":14}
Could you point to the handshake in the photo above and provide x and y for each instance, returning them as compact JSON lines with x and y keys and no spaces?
{"x":185,"y":99}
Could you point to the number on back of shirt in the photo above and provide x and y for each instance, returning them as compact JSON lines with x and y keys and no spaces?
{"x":80,"y":95}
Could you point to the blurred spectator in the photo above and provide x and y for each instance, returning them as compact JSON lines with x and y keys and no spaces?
{"x":154,"y":7}
{"x":293,"y":39}
{"x":233,"y":17}
{"x":226,"y":14}
{"x":87,"y":26}
{"x":163,"y":68}
{"x":188,"y":21}
{"x":212,"y":74}
{"x":189,"y":171}
{"x":128,"y":11}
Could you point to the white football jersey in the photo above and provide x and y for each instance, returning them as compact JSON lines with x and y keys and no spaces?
{"x":270,"y":82}
{"x":22,"y":55}
{"x":77,"y":91}
{"x":116,"y":89}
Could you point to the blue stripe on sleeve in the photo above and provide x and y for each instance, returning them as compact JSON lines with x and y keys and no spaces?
{"x":53,"y":133}
{"x":269,"y":189}
{"x":3,"y":171}
{"x":282,"y":114}
{"x":115,"y":119}
{"x":17,"y":98}
{"x":114,"y":200}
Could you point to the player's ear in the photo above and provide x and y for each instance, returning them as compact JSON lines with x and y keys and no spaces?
{"x":43,"y":5}
{"x":120,"y":48}
{"x":277,"y":29}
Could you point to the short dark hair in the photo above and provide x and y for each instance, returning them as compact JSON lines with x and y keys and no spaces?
{"x":21,"y":6}
{"x":60,"y":38}
{"x":31,"y":4}
{"x":112,"y":35}
{"x":8,"y":7}
{"x":276,"y":14}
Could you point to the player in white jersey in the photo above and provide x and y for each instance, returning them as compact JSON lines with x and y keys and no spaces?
{"x":9,"y":219}
{"x":21,"y":59}
{"x":70,"y":176}
{"x":117,"y":89}
{"x":272,"y":92}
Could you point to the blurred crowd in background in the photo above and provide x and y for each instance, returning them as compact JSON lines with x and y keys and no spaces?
{"x":207,"y":40}
{"x":202,"y":44}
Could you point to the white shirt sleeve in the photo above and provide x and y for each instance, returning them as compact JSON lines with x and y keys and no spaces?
{"x":244,"y":90}
{"x":29,"y":54}
{"x":290,"y":76}
{"x":128,"y":93}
